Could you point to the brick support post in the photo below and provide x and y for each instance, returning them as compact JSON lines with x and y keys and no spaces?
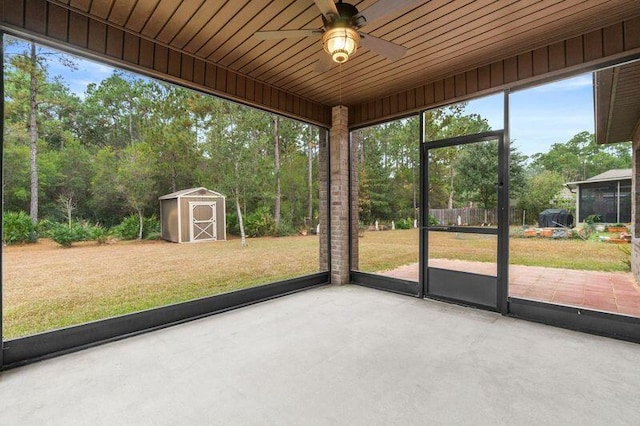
{"x":339,"y":210}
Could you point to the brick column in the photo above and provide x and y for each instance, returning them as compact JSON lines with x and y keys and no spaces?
{"x":339,"y":211}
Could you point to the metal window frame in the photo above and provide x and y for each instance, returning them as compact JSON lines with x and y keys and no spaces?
{"x":367,"y":279}
{"x":1,"y":195}
{"x":24,"y":350}
{"x":28,"y":349}
{"x":605,"y":324}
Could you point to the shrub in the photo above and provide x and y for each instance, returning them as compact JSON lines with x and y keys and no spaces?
{"x":63,"y":235}
{"x":404,"y":224}
{"x":232,"y":224}
{"x":66,"y":235}
{"x":627,"y":256}
{"x":18,"y":228}
{"x":432,"y":220}
{"x":593,"y":218}
{"x":151,"y":228}
{"x":99,"y":234}
{"x":259,"y":223}
{"x":129,"y":228}
{"x":285,"y":228}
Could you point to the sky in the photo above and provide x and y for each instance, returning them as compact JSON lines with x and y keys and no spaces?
{"x":88,"y":72}
{"x":540,"y":116}
{"x":543,"y":115}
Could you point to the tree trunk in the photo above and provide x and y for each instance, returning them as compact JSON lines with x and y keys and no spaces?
{"x":310,"y":173}
{"x":33,"y":135}
{"x":276,"y":164}
{"x":415,"y":193}
{"x":243,"y":237}
{"x":130,"y":129}
{"x":450,"y":204}
{"x":69,"y":211}
{"x":141,"y":225}
{"x":173,"y":177}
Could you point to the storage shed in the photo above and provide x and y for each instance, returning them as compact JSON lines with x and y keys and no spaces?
{"x":191,"y":215}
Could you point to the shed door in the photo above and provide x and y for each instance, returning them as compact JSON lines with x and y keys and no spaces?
{"x":202,"y":219}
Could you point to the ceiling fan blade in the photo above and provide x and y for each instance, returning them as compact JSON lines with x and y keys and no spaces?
{"x":324,"y":64}
{"x":381,"y":8}
{"x":273,"y":35}
{"x":382,"y":47}
{"x":327,"y":8}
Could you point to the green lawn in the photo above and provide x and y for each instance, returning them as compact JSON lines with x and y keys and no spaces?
{"x":386,"y":250}
{"x":47,"y":287}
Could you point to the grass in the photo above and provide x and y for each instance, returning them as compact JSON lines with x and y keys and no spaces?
{"x":381,"y":251}
{"x":47,"y":287}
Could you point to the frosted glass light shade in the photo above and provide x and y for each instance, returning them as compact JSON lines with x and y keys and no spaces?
{"x":340,"y":43}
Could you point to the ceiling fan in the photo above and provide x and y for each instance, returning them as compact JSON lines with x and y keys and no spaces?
{"x":340,"y":33}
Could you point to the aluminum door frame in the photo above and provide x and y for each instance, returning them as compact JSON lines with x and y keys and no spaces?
{"x":502,"y":233}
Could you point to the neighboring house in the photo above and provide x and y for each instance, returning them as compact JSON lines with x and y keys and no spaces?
{"x":607,"y":194}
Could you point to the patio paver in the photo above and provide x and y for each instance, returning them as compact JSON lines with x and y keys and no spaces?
{"x":615,"y":292}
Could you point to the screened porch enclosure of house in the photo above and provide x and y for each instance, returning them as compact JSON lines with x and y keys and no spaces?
{"x":610,"y":202}
{"x":109,"y":144}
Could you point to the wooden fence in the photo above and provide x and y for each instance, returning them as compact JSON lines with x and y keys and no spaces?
{"x":474,"y":216}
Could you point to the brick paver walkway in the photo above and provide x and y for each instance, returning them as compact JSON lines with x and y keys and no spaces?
{"x":615,"y":292}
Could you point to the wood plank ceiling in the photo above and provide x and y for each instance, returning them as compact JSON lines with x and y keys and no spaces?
{"x":443,"y":37}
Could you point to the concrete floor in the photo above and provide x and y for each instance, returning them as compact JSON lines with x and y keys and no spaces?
{"x":336,"y":355}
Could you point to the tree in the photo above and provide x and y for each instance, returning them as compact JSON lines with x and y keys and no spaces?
{"x":28,"y":69}
{"x":477,"y":172}
{"x":310,"y":152}
{"x":135,"y":179}
{"x":540,"y":191}
{"x":116,"y":110}
{"x":68,"y":204}
{"x":276,"y":170}
{"x":581,"y":158}
{"x":171,"y":131}
{"x":237,"y":155}
{"x":106,"y":201}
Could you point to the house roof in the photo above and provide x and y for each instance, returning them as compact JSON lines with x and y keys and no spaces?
{"x":609,"y":175}
{"x":617,"y":103}
{"x":191,"y":191}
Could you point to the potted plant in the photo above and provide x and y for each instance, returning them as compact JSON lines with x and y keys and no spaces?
{"x":617,"y":227}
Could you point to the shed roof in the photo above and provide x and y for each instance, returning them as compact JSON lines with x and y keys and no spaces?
{"x":609,"y":175}
{"x":187,"y":192}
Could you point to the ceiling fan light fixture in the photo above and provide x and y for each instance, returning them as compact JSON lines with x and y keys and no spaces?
{"x":340,"y":43}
